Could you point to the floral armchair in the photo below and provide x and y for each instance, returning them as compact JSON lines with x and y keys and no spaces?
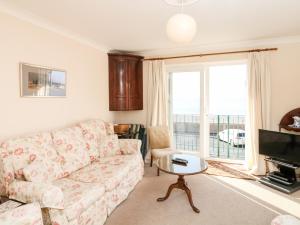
{"x":29,"y":214}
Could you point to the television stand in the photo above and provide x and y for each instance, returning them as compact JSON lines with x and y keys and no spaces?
{"x":286,"y":179}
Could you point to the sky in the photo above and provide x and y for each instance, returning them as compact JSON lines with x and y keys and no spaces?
{"x":58,"y":76}
{"x":227,"y":91}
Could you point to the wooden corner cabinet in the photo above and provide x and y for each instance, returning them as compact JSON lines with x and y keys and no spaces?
{"x":125,"y":82}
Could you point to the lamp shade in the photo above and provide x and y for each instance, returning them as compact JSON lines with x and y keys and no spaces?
{"x":181,"y":28}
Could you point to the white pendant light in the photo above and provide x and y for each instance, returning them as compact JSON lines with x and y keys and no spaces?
{"x":181,"y":28}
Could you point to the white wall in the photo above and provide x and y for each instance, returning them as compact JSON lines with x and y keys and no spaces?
{"x":87,"y":79}
{"x":285,"y":71}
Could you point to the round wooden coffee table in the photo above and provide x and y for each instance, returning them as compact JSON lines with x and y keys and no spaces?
{"x":194,"y":166}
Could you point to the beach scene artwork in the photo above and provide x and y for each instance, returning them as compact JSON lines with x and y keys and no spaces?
{"x":38,"y":81}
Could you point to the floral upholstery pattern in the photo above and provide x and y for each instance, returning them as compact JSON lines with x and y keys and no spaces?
{"x":113,"y":160}
{"x":45,"y":141}
{"x":71,"y":148}
{"x":29,"y":214}
{"x":22,"y":151}
{"x":114,"y":198}
{"x":133,"y":160}
{"x":130,"y":146}
{"x":47,"y":195}
{"x":95,"y":214}
{"x":98,"y":173}
{"x":57,"y":217}
{"x":107,"y":174}
{"x":285,"y":220}
{"x":120,"y":193}
{"x":93,"y":131}
{"x":110,"y":146}
{"x":43,"y":171}
{"x":109,"y":128}
{"x":18,"y":153}
{"x":78,"y":196}
{"x":6,"y":171}
{"x":9,"y":205}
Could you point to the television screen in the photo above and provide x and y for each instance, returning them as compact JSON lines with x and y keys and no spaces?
{"x":281,"y":146}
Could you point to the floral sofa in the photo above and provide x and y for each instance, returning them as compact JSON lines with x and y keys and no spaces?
{"x":78,"y":174}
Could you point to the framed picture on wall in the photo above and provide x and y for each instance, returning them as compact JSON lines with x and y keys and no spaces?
{"x":39,"y":81}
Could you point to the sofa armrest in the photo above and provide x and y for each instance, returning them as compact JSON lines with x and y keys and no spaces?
{"x":26,"y":214}
{"x":48,"y":195}
{"x":285,"y":220}
{"x":130,"y":146}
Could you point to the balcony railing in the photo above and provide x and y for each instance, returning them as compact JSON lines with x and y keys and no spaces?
{"x":226,"y":134}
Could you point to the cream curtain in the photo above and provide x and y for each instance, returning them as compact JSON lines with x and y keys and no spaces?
{"x":259,"y":100}
{"x":158,"y":93}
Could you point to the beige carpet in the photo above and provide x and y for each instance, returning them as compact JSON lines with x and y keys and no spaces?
{"x":219,"y":205}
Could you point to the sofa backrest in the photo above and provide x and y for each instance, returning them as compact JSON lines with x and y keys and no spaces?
{"x":17,"y":153}
{"x":94,"y":132}
{"x":71,"y":148}
{"x":109,"y":128}
{"x":23,"y":150}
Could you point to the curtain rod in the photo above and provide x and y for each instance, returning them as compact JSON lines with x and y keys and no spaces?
{"x":215,"y":53}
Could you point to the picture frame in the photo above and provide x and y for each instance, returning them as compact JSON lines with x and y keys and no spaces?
{"x":42,"y":81}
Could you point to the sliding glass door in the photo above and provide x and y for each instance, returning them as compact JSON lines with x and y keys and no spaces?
{"x":208,"y":108}
{"x":227,"y":111}
{"x":185,"y":110}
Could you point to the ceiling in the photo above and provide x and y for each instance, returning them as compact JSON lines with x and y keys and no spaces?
{"x":139,"y":25}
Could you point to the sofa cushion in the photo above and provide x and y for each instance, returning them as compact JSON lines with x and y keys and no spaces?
{"x":132,"y":161}
{"x":93,"y":131}
{"x":109,"y":171}
{"x":109,"y":128}
{"x":130,"y":146}
{"x":78,"y":196}
{"x":71,"y":148}
{"x":44,"y":139}
{"x":48,"y":195}
{"x":43,"y":170}
{"x":110,"y":175}
{"x":110,"y":146}
{"x":24,"y":150}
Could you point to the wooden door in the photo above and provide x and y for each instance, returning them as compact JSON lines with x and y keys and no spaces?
{"x":118,"y":86}
{"x":135,"y":84}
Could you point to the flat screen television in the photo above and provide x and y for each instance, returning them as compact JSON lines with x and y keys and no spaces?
{"x":281,"y":146}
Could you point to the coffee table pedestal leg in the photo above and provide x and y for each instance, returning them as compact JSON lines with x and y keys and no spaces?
{"x":181,"y":184}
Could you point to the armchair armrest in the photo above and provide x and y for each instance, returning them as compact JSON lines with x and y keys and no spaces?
{"x":48,"y":195}
{"x":285,"y":220}
{"x":26,"y":214}
{"x":130,"y":146}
